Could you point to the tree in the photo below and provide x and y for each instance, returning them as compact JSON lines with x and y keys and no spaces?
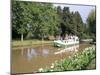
{"x":71,"y":23}
{"x":91,"y":21}
{"x":34,"y":19}
{"x":79,"y":24}
{"x":41,"y":20}
{"x":65,"y":21}
{"x":45,"y":20}
{"x":20,"y":18}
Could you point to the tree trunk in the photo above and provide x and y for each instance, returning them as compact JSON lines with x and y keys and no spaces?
{"x":42,"y":38}
{"x":42,"y":42}
{"x":22,"y":37}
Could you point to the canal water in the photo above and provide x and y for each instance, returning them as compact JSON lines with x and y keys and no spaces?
{"x":29,"y":60}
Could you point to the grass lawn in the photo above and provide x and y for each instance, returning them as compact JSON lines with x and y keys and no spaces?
{"x":18,"y":43}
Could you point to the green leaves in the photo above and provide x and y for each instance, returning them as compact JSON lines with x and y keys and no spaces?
{"x":91,"y":21}
{"x":47,"y":20}
{"x":79,"y":61}
{"x":41,"y":17}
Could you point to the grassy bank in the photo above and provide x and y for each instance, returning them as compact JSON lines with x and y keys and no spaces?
{"x":80,"y":61}
{"x":18,"y":43}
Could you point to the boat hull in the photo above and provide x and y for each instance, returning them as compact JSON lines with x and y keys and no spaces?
{"x":65,"y":43}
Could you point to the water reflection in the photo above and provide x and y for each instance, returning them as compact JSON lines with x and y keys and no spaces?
{"x":31,"y":53}
{"x":45,"y":51}
{"x":72,"y":48}
{"x":22,"y":51}
{"x":31,"y":59}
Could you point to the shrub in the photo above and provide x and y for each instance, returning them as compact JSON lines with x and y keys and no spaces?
{"x":78,"y":62}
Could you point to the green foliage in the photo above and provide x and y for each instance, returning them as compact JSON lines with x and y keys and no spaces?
{"x":34,"y":19}
{"x":85,"y":36}
{"x":41,"y":20}
{"x":70,"y":22}
{"x":79,"y":61}
{"x":91,"y":21}
{"x":20,"y":17}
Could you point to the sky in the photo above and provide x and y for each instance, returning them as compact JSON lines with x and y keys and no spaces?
{"x":82,"y":9}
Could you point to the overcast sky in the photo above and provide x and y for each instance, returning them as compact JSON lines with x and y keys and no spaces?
{"x":82,"y":9}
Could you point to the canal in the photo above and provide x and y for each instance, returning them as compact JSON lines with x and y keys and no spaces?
{"x":30,"y":59}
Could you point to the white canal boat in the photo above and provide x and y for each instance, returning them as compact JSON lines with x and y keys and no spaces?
{"x":63,"y":43}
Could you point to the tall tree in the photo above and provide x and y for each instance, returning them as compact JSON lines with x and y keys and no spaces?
{"x":65,"y":20}
{"x":20,"y":17}
{"x":79,"y":24}
{"x":36,"y":19}
{"x":46,"y":20}
{"x":91,"y":21}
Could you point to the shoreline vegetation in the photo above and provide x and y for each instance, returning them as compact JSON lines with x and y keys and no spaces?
{"x":80,"y":61}
{"x":28,"y":43}
{"x":19,"y":43}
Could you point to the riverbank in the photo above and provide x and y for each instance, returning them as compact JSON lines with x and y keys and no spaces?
{"x":80,"y":61}
{"x":18,"y":43}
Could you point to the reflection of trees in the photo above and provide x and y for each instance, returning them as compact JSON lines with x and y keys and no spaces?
{"x":22,"y":52}
{"x":29,"y":53}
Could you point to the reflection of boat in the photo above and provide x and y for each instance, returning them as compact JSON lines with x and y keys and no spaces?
{"x":72,"y":48}
{"x":62,"y":43}
{"x":45,"y":51}
{"x":31,"y":53}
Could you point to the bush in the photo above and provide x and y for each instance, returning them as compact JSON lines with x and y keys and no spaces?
{"x":85,"y":36}
{"x":79,"y":61}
